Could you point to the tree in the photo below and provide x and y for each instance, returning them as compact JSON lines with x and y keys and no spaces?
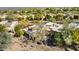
{"x":5,"y":40}
{"x":19,"y":32}
{"x":2,"y":28}
{"x":57,"y":38}
{"x":10,"y":18}
{"x":49,"y":18}
{"x":38,"y":16}
{"x":66,"y":32}
{"x":75,"y":35}
{"x":23,"y":23}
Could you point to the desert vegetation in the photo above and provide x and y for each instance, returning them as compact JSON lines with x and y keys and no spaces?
{"x":38,"y":29}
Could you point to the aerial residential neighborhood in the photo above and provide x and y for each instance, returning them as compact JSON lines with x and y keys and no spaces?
{"x":39,"y":29}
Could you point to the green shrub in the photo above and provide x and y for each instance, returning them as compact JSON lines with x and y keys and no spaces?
{"x":19,"y":32}
{"x":57,"y":38}
{"x":68,"y":40}
{"x":23,"y":23}
{"x":4,"y":40}
{"x":75,"y":35}
{"x":17,"y":27}
{"x":49,"y":18}
{"x":10,"y":18}
{"x":38,"y":16}
{"x":2,"y":28}
{"x":67,"y":32}
{"x":30,"y":17}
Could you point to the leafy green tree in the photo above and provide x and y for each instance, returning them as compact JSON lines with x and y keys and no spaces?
{"x":10,"y":18}
{"x":57,"y":38}
{"x":5,"y":40}
{"x":2,"y":28}
{"x":66,"y":32}
{"x":38,"y":16}
{"x":49,"y":18}
{"x":23,"y":23}
{"x":75,"y":35}
{"x":19,"y":32}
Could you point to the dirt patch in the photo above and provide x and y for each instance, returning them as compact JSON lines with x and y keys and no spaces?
{"x":17,"y":45}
